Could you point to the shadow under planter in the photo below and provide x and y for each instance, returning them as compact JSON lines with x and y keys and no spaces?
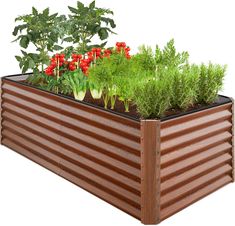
{"x":150,"y":169}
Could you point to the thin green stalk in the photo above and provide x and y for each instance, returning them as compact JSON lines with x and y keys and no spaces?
{"x":106,"y":100}
{"x":57,"y":75}
{"x":113,"y":101}
{"x":126,"y":105}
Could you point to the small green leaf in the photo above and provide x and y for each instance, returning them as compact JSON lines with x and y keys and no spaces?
{"x":103,"y":44}
{"x":92,"y":5}
{"x":73,"y":10}
{"x":68,"y":39}
{"x":24,"y":53}
{"x":46,"y":12}
{"x":112,"y":24}
{"x":24,"y":42}
{"x":18,"y":58}
{"x":57,"y":47}
{"x":15,"y":32}
{"x":80,"y":5}
{"x":53,"y":16}
{"x":34,"y":11}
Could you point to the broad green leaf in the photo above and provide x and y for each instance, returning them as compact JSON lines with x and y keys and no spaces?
{"x":24,"y":42}
{"x":31,"y":64}
{"x":103,"y":34}
{"x":73,"y":10}
{"x":25,"y":68}
{"x":35,"y":57}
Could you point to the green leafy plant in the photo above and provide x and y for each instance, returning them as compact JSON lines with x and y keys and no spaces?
{"x":77,"y":82}
{"x":210,"y":82}
{"x":145,"y":58}
{"x":110,"y":75}
{"x":101,"y":76}
{"x":152,"y":98}
{"x":85,"y":22}
{"x":184,"y":86}
{"x":43,"y":31}
{"x":169,"y":57}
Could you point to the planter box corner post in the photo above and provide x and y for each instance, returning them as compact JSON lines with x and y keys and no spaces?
{"x":150,"y":171}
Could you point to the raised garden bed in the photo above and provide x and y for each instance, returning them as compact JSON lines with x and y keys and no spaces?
{"x":146,"y":132}
{"x":150,"y":169}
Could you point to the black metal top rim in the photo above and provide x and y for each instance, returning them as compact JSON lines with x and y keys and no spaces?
{"x":223,"y":100}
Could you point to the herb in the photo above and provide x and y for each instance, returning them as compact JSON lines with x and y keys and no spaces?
{"x":169,"y":57}
{"x":152,"y":98}
{"x":184,"y":86}
{"x":210,"y":82}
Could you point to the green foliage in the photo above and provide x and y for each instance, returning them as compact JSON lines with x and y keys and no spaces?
{"x":77,"y":82}
{"x":184,"y":86}
{"x":145,"y":58}
{"x":152,"y":98}
{"x":87,"y":21}
{"x":43,"y":31}
{"x":169,"y":57}
{"x":210,"y":82}
{"x":117,"y":76}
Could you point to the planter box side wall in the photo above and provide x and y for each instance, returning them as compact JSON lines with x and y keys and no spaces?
{"x":97,"y":151}
{"x":196,"y":157}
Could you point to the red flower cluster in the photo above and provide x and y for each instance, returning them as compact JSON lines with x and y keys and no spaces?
{"x":83,"y":62}
{"x":121,"y":47}
{"x":76,"y":58}
{"x":58,"y":59}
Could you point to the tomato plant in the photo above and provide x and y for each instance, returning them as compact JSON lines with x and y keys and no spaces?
{"x":86,"y":22}
{"x":41,"y":30}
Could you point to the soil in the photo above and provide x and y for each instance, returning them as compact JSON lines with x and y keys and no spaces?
{"x":119,"y":107}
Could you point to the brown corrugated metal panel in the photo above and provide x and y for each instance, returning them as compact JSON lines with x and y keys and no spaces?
{"x":196,"y":157}
{"x":95,"y":149}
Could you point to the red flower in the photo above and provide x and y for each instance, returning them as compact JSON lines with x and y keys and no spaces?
{"x":72,"y":66}
{"x":49,"y":71}
{"x":76,"y":57}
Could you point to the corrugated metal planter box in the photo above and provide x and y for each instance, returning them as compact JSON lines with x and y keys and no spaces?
{"x":150,"y":169}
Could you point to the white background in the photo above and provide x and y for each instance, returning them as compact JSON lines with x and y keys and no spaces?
{"x":31,"y":195}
